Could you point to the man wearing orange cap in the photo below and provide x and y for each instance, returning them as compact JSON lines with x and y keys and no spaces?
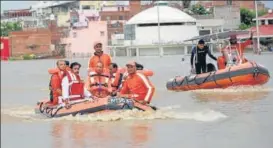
{"x":137,"y":86}
{"x":99,"y":56}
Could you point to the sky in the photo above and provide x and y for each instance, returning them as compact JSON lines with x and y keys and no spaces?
{"x":6,"y":5}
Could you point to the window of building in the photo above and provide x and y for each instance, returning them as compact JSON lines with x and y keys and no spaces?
{"x":204,"y":32}
{"x":263,"y":22}
{"x":270,"y":22}
{"x":229,"y":2}
{"x":102,"y":33}
{"x":129,"y":31}
{"x":120,"y":18}
{"x":85,"y":7}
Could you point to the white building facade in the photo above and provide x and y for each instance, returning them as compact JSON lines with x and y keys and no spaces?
{"x":175,"y":27}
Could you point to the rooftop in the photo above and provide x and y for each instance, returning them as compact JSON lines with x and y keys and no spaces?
{"x":264,"y":31}
{"x":170,"y":15}
{"x":269,"y":15}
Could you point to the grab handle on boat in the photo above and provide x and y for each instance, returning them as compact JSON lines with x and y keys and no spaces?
{"x":256,"y":71}
{"x":54,"y":114}
{"x":41,"y":108}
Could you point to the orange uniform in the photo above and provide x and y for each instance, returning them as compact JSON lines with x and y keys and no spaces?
{"x":55,"y":86}
{"x":104,"y":58}
{"x":139,"y":85}
{"x":239,"y":47}
{"x":221,"y":61}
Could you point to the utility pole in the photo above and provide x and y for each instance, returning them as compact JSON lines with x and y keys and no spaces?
{"x":158,"y":21}
{"x":257,"y":28}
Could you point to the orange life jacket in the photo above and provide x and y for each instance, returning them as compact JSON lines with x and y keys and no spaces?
{"x":104,"y":58}
{"x":221,"y":62}
{"x":116,"y":80}
{"x":55,"y":86}
{"x":99,"y":84}
{"x":146,"y":72}
{"x":76,"y":87}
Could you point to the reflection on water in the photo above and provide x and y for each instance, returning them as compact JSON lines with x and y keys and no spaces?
{"x":101,"y":134}
{"x":232,"y":93}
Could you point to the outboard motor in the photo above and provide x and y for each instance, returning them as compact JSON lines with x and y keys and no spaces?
{"x":210,"y":67}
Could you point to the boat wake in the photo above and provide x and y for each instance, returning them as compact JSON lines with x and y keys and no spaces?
{"x":233,"y":93}
{"x":27,"y":114}
{"x":237,"y":89}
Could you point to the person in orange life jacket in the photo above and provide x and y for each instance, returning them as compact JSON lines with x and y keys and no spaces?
{"x":116,"y":78}
{"x":56,"y":70}
{"x":55,"y":82}
{"x":98,"y":82}
{"x":200,"y":52}
{"x":236,"y":47}
{"x":99,"y":56}
{"x":137,"y":86}
{"x":138,"y":67}
{"x":72,"y":86}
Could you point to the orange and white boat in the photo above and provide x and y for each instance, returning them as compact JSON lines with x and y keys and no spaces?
{"x":235,"y":72}
{"x":85,"y":106}
{"x":249,"y":73}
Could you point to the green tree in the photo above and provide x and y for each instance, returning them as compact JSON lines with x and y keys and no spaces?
{"x":8,"y":27}
{"x":247,"y":17}
{"x":198,"y":10}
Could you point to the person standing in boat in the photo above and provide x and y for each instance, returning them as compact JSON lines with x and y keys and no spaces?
{"x":99,"y":56}
{"x":198,"y":57}
{"x":234,"y":52}
{"x":73,"y":86}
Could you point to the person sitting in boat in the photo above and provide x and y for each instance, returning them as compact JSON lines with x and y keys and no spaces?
{"x":98,"y":82}
{"x":72,"y":86}
{"x":200,"y":52}
{"x":137,"y":86}
{"x":116,"y":78}
{"x":56,"y":81}
{"x":99,"y":56}
{"x":233,"y":54}
{"x":54,"y":70}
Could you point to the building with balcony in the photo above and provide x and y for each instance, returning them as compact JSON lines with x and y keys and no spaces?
{"x":80,"y":42}
{"x":24,"y":16}
{"x":60,"y":10}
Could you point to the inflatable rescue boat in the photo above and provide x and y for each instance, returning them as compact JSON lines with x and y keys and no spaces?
{"x":249,"y":73}
{"x":85,"y":106}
